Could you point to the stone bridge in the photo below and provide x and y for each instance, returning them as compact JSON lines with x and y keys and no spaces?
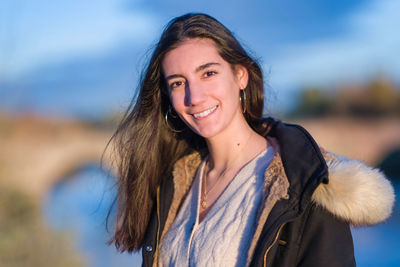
{"x":36,"y":154}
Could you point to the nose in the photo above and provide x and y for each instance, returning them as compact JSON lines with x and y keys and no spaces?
{"x":195,"y":93}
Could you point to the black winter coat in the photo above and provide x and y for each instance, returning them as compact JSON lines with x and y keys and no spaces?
{"x":308,"y":225}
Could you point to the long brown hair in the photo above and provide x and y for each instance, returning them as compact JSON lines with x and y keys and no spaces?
{"x":146,"y":146}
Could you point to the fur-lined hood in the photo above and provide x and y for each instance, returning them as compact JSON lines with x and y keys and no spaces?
{"x":356,"y":193}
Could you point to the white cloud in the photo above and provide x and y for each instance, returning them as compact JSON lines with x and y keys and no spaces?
{"x":55,"y":31}
{"x":370,"y":45}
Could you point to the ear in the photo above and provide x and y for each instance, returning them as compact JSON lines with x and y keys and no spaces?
{"x":242,"y":76}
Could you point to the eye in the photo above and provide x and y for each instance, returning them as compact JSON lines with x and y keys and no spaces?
{"x":176,"y":84}
{"x":209,"y":73}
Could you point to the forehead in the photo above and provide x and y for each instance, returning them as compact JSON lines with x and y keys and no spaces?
{"x":190,"y":54}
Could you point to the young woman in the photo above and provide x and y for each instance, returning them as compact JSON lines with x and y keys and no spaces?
{"x":205,"y":180}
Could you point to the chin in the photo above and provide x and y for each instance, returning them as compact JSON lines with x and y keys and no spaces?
{"x":208,"y":132}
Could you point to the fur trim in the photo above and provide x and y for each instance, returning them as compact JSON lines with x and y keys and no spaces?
{"x":276,"y":187}
{"x":356,"y":193}
{"x":183,"y":173}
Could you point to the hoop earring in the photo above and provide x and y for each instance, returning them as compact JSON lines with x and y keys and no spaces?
{"x":243,"y":100}
{"x":166,"y":121}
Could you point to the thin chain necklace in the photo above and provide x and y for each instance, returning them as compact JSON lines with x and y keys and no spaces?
{"x":203,"y":202}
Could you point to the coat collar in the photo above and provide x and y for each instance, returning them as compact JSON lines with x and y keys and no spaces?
{"x":276,"y":187}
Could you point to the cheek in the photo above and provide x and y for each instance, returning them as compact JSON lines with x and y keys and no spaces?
{"x":231,"y":92}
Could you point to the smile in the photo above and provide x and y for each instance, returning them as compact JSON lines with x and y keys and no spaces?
{"x":205,"y":113}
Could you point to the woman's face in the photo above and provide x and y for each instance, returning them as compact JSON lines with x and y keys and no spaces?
{"x":203,"y":87}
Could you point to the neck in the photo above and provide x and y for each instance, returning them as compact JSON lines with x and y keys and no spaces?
{"x":233,"y":146}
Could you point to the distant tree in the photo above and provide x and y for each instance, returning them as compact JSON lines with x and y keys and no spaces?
{"x":390,"y":165}
{"x":379,"y":97}
{"x":313,"y":102}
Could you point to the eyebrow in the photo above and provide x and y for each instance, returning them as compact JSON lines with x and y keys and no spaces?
{"x":174,"y":76}
{"x":199,"y":68}
{"x":204,"y":66}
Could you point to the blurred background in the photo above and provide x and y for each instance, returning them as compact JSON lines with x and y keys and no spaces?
{"x":68,"y":69}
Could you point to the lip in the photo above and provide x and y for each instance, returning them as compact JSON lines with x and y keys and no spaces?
{"x":204,"y":114}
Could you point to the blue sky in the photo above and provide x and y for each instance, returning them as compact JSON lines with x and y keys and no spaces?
{"x":83,"y":57}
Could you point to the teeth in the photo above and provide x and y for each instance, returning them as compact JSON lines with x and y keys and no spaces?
{"x":204,"y":113}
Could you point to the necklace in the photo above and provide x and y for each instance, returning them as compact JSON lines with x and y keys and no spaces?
{"x":203,"y":202}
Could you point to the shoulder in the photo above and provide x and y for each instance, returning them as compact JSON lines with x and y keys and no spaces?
{"x":349,"y":189}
